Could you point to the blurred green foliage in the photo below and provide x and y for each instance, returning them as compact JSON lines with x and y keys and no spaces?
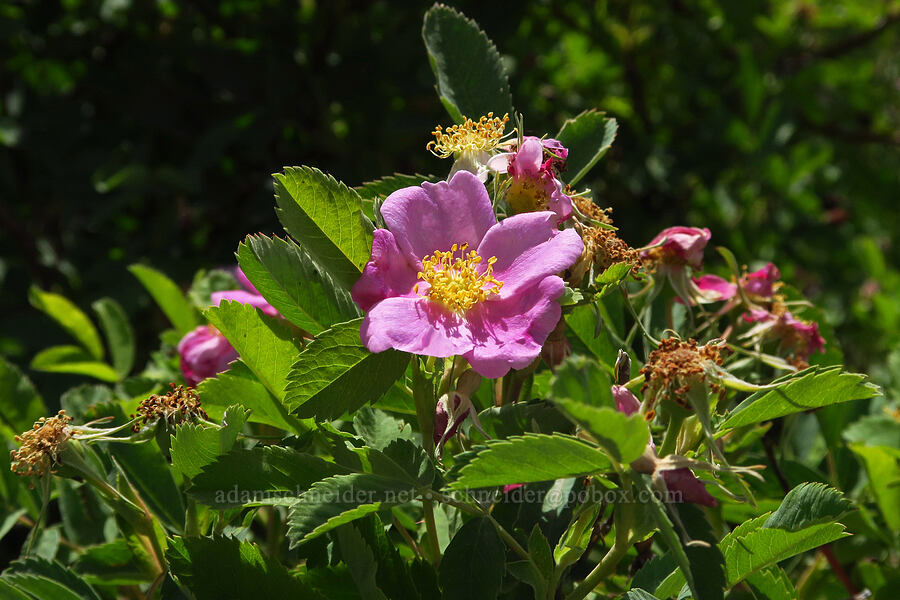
{"x":136,"y":131}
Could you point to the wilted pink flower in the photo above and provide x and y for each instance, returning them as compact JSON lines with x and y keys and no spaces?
{"x":534,"y":184}
{"x":447,"y":279}
{"x":715,"y":289}
{"x":204,"y":353}
{"x":801,"y":336}
{"x":678,"y":246}
{"x":626,"y":401}
{"x":761,"y":283}
{"x":684,"y":482}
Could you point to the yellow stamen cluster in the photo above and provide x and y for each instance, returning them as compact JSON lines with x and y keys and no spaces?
{"x":41,"y":446}
{"x":179,"y":405}
{"x":455,"y":281}
{"x":471,"y":136}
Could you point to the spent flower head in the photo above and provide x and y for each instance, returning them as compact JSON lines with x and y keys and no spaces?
{"x":675,"y":367}
{"x":181,"y":404}
{"x":41,"y":446}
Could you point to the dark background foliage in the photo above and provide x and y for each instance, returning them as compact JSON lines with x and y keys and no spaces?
{"x":146,"y":131}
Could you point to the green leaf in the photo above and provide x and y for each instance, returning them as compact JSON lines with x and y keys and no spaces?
{"x":624,"y":438}
{"x":81,"y":512}
{"x":20,"y":403}
{"x":471,"y":80}
{"x":342,"y":499}
{"x":360,"y":560}
{"x":582,"y":325}
{"x":884,"y":478}
{"x":286,"y":277}
{"x":149,"y":473}
{"x":239,"y":385}
{"x":874,"y":430}
{"x":530,"y":458}
{"x":73,"y":360}
{"x":114,"y":563}
{"x":772,"y":583}
{"x":222,"y":567}
{"x":326,"y":218}
{"x":264,"y":343}
{"x":195,"y":446}
{"x":752,"y":547}
{"x":47,"y":579}
{"x":381,"y":188}
{"x":393,"y":573}
{"x":118,"y":332}
{"x":264,"y":475}
{"x":638,"y":594}
{"x":378,"y":428}
{"x":813,"y":388}
{"x":588,"y":137}
{"x":808,"y":504}
{"x":70,"y":317}
{"x":584,"y":380}
{"x":168,"y":296}
{"x":337,"y":374}
{"x":474,"y":563}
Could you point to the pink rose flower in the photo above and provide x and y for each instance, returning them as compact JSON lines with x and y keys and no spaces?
{"x":447,"y":279}
{"x":679,"y":246}
{"x":204,"y":353}
{"x":801,"y":336}
{"x":534,"y":183}
{"x":761,"y":283}
{"x":714,"y":288}
{"x":626,"y":401}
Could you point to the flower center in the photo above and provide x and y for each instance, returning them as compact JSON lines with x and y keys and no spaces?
{"x":470,"y":136}
{"x":454,"y":278}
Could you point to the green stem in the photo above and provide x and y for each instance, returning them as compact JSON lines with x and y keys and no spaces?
{"x":603,"y":570}
{"x":424,"y":402}
{"x":671,"y":436}
{"x":431,"y":528}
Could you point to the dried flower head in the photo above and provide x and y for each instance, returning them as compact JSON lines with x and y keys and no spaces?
{"x":602,"y":246}
{"x":179,"y":405}
{"x":41,"y":446}
{"x":672,"y":368}
{"x":470,"y":136}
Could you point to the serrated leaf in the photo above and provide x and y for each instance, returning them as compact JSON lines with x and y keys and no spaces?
{"x":747,"y":553}
{"x":473,"y":564}
{"x":343,"y":498}
{"x":222,"y":567}
{"x":118,"y":332}
{"x":772,"y":583}
{"x":588,"y":137}
{"x":239,"y":385}
{"x":264,"y":343}
{"x":326,"y":219}
{"x":393,"y":572}
{"x":287,"y":278}
{"x":808,"y":504}
{"x":471,"y":80}
{"x":73,"y":360}
{"x":47,"y":579}
{"x":113,"y":563}
{"x":582,"y":379}
{"x":813,"y":388}
{"x":623,"y":437}
{"x":381,"y":188}
{"x":260,"y":476}
{"x":168,"y":297}
{"x":530,"y":458}
{"x":195,"y":446}
{"x":360,"y":560}
{"x":337,"y":374}
{"x":76,"y":323}
{"x":20,"y":403}
{"x":378,"y":428}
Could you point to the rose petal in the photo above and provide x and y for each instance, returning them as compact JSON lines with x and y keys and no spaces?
{"x":244,"y":298}
{"x":509,"y":333}
{"x":715,"y":288}
{"x":437,"y":215}
{"x":416,"y":325}
{"x":388,"y":273}
{"x":683,"y":481}
{"x":529,"y":247}
{"x":204,"y":352}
